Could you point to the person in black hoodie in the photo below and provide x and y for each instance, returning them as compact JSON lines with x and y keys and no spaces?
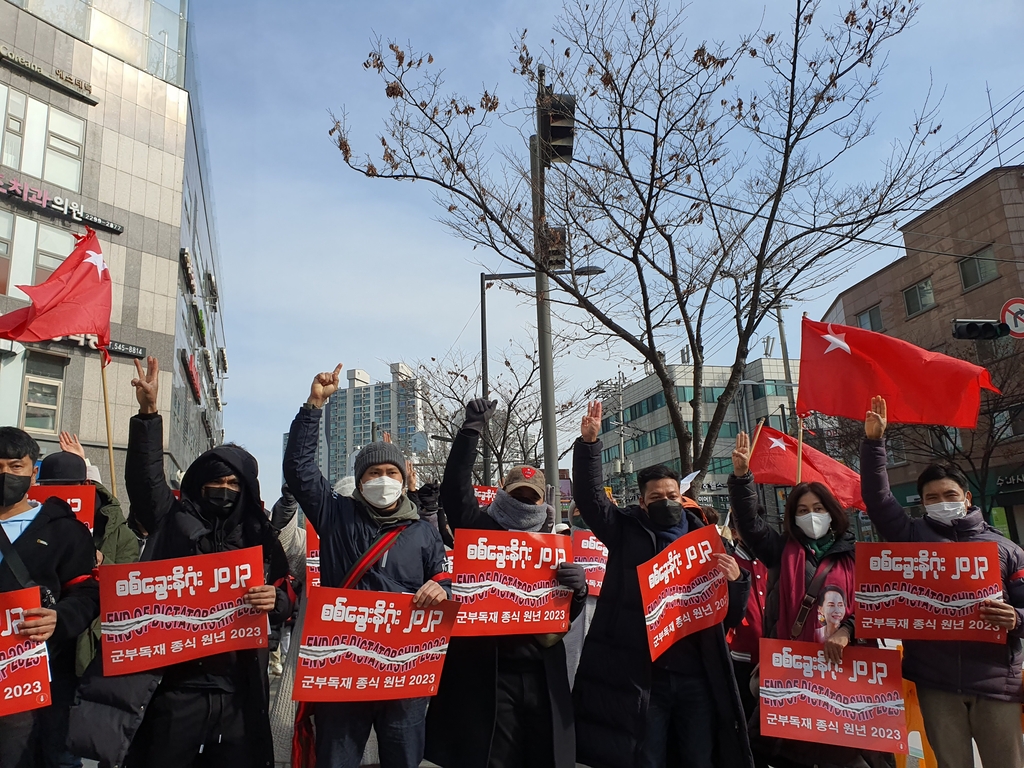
{"x":685,"y":708}
{"x":211,"y":711}
{"x":503,"y":701}
{"x":58,"y":557}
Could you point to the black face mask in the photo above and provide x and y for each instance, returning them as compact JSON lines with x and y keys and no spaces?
{"x":13,"y":488}
{"x":219,"y":502}
{"x":665,"y":512}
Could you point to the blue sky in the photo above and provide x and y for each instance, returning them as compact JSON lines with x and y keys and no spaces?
{"x":323,"y":266}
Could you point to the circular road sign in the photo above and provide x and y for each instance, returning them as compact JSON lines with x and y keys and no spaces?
{"x":1013,"y":315}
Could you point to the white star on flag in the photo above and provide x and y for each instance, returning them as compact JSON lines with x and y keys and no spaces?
{"x":97,"y":259}
{"x":836,"y":341}
{"x":777,"y":442}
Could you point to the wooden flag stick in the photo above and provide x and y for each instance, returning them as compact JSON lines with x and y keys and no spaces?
{"x":110,"y":433}
{"x":799,"y":449}
{"x":757,"y":434}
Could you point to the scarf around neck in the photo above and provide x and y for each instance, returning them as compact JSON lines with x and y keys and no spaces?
{"x":405,"y":512}
{"x":793,"y":583}
{"x":514,"y":515}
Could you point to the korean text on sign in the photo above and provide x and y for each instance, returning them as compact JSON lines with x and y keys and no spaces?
{"x":312,"y":556}
{"x":24,"y":664}
{"x":858,"y":703}
{"x":167,"y":611}
{"x":81,"y":498}
{"x":370,"y":646}
{"x":683,"y":590}
{"x":927,"y":591}
{"x":506,"y":582}
{"x":589,"y":552}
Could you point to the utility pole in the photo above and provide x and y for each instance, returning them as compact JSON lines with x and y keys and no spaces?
{"x":483,"y":373}
{"x":790,"y":427}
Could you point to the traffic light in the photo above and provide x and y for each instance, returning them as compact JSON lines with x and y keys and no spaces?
{"x":556,"y":127}
{"x":979,"y":329}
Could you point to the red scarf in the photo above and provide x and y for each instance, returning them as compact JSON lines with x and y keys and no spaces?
{"x":793,"y":585}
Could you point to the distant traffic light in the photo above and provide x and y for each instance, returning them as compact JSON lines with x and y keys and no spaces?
{"x":979,"y":329}
{"x":556,"y":127}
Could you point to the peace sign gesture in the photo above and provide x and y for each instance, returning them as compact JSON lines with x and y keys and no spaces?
{"x":324,"y":385}
{"x":591,"y":426}
{"x":147,"y":385}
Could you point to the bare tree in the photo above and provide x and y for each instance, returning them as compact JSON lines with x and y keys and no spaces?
{"x":704,"y":179}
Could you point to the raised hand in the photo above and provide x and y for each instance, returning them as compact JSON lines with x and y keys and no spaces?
{"x":590,"y":428}
{"x":875,"y":421}
{"x":478,"y":412}
{"x":147,"y":385}
{"x":69,"y":444}
{"x":324,"y":385}
{"x":741,"y":455}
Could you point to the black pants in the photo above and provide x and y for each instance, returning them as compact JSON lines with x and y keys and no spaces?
{"x":38,"y":738}
{"x":681,"y":719}
{"x":343,"y":728}
{"x":523,"y":723}
{"x":191,"y":728}
{"x":743,"y":670}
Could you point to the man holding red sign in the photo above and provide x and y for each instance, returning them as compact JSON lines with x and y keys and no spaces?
{"x":966,"y":689}
{"x":685,"y":707}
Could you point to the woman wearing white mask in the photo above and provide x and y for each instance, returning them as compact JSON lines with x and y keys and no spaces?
{"x":967,"y":690}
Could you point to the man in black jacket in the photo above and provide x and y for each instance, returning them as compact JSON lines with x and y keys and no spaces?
{"x":211,"y":711}
{"x":685,"y":708}
{"x":57,"y":555}
{"x":348,"y":527}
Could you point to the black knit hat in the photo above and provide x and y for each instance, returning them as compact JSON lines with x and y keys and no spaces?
{"x":63,"y":467}
{"x":379,"y":453}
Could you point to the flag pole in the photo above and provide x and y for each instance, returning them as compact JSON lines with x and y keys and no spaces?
{"x":110,"y":433}
{"x":757,"y":434}
{"x":799,"y":449}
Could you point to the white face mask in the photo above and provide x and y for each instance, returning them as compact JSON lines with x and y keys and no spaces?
{"x":946,"y":512}
{"x":382,"y":492}
{"x":814,"y":524}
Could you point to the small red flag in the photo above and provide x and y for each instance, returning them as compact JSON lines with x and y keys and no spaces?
{"x":842,"y":368}
{"x":773,"y":462}
{"x":75,"y":299}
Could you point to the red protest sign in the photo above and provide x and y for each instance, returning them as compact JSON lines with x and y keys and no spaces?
{"x":856,"y":704}
{"x":312,"y":556}
{"x":682,"y":589}
{"x":449,"y":560}
{"x":24,"y":663}
{"x":927,"y":591}
{"x":81,"y":498}
{"x":505,"y":581}
{"x":485,"y":494}
{"x":167,"y":611}
{"x":370,"y":646}
{"x":588,"y":551}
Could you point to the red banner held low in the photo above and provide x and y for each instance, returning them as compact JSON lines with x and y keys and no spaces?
{"x":592,"y":554}
{"x":857,"y":704}
{"x":24,"y":664}
{"x":359,"y":645}
{"x":312,"y":556}
{"x":927,"y":591}
{"x":683,"y":590}
{"x":167,"y":611}
{"x":506,"y":583}
{"x":81,"y":498}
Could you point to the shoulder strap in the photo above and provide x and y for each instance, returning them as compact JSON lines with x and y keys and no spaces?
{"x":813,"y":590}
{"x":14,"y":561}
{"x":385,"y":541}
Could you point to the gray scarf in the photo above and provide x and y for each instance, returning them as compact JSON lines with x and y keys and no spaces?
{"x":405,"y":511}
{"x":514,"y":515}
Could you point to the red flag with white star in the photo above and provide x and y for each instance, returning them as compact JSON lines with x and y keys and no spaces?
{"x":773,"y":462}
{"x":75,"y":299}
{"x":842,"y":368}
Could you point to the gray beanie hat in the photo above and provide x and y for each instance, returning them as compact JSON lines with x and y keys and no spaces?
{"x":379,"y":453}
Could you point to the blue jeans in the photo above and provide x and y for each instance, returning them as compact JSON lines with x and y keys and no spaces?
{"x":682,"y":708}
{"x":343,"y":728}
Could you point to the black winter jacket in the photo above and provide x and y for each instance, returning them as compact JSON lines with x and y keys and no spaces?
{"x":613,"y":682}
{"x":58,"y":554}
{"x":347,"y":529}
{"x":461,"y":718}
{"x":109,"y":710}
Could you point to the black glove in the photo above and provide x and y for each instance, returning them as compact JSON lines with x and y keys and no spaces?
{"x":428,"y":495}
{"x":478,"y":413}
{"x":573,"y":576}
{"x":286,"y":494}
{"x":284,"y":510}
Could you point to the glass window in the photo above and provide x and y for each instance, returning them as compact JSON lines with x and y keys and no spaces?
{"x":44,"y":380}
{"x":871,"y":319}
{"x":109,"y":34}
{"x":978,"y":269}
{"x":69,"y":15}
{"x":919,"y":297}
{"x":62,"y":170}
{"x":68,"y":126}
{"x":6,"y":235}
{"x":54,"y":245}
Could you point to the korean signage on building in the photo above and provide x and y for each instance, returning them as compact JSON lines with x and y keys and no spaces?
{"x":57,"y":78}
{"x":115,"y":347}
{"x":54,"y":205}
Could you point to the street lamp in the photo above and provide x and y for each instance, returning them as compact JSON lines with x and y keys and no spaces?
{"x":486,"y":278}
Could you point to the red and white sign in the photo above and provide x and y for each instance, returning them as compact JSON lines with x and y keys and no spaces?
{"x":312,"y":556}
{"x":683,"y":590}
{"x":81,"y":498}
{"x":506,"y":583}
{"x":359,"y":645}
{"x":857,"y":704}
{"x":485,"y":494}
{"x":927,"y":591}
{"x":1012,"y":314}
{"x":588,"y":551}
{"x":449,"y":560}
{"x":168,"y":611}
{"x":24,"y":663}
